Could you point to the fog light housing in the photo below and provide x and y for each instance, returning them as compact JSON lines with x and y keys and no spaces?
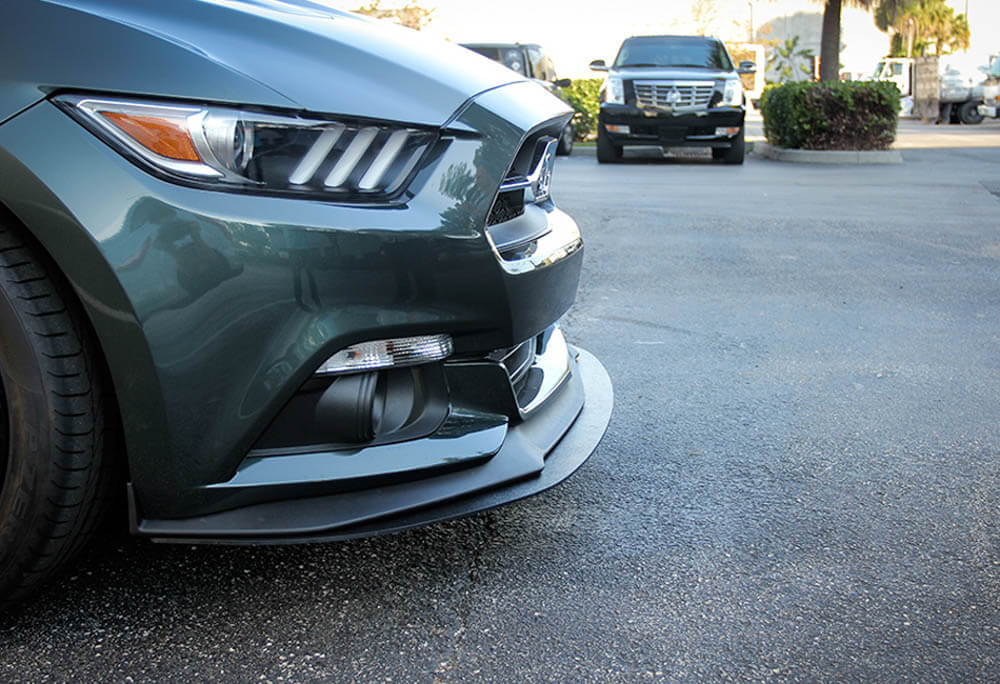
{"x":728,"y":132}
{"x":616,"y":128}
{"x":394,"y":353}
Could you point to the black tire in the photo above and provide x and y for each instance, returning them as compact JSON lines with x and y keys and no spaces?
{"x":607,"y":151}
{"x":734,"y":154}
{"x":55,"y":477}
{"x":969,"y":113}
{"x":565,"y":141}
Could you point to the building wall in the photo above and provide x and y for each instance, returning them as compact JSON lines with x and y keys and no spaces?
{"x":861,"y":42}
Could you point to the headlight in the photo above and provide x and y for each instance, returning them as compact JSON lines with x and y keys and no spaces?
{"x":225,"y":148}
{"x":615,"y":90}
{"x":733,"y":95}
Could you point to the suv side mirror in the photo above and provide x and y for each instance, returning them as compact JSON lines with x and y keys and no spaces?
{"x":562,"y":83}
{"x":747,"y":67}
{"x":598,"y":65}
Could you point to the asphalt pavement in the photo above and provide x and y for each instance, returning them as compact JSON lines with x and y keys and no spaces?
{"x":801,"y":479}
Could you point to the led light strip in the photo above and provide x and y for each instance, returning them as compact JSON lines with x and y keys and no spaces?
{"x":310,"y":163}
{"x":351,"y":156}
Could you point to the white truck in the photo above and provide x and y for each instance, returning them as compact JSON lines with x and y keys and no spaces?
{"x":961,"y":85}
{"x":991,"y":91}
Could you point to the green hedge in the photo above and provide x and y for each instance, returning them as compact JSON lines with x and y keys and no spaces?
{"x":583,"y":96}
{"x":845,"y":115}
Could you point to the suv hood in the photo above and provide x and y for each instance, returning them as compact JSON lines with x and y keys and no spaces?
{"x":672,"y":74}
{"x":281,"y":53}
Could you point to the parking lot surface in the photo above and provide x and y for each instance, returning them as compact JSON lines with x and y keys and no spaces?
{"x":801,"y":479}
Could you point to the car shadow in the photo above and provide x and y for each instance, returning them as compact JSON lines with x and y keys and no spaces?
{"x":133,"y":579}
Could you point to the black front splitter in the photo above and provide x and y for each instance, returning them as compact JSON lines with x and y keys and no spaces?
{"x":403,"y":506}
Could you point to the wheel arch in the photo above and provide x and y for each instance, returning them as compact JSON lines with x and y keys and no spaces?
{"x":108,"y":313}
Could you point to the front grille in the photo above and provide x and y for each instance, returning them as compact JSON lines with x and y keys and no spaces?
{"x":506,"y":207}
{"x":509,"y":204}
{"x":674,"y":94}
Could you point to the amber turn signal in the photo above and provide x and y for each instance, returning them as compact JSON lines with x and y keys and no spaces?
{"x":167,"y":137}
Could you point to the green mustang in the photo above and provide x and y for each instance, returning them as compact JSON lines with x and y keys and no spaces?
{"x":273,"y":273}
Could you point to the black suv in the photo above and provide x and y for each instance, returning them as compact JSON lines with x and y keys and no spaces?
{"x":529,"y":59}
{"x":672,"y":91}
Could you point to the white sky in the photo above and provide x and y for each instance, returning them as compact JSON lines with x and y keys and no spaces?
{"x":574,"y":32}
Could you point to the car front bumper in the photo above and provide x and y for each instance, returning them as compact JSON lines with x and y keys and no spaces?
{"x":214,"y":311}
{"x":535,"y":455}
{"x":670,"y":129}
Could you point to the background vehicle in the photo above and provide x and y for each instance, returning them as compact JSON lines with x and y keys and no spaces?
{"x":960,"y":85}
{"x":304,"y":313}
{"x":529,"y":59}
{"x":672,"y":91}
{"x":991,"y":90}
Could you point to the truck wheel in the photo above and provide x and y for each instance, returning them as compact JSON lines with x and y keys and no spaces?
{"x":969,"y":113}
{"x":565,"y":141}
{"x":54,"y":476}
{"x":607,"y":151}
{"x":734,"y":154}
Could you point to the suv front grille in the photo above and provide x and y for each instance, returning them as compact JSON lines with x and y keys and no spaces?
{"x":674,"y":94}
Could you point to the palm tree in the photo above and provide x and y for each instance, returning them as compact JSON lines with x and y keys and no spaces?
{"x":829,"y":55}
{"x":923,"y":25}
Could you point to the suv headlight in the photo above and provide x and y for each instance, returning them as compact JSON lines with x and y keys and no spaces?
{"x":733,"y":95}
{"x":614,"y":90}
{"x":224,"y":148}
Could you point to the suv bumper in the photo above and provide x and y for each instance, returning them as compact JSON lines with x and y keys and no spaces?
{"x":669,"y":129}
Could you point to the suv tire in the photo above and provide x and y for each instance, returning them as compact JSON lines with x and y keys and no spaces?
{"x":607,"y":151}
{"x":734,"y":154}
{"x":54,"y":474}
{"x":566,"y":141}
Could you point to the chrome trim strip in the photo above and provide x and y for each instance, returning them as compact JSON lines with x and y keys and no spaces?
{"x":678,"y":84}
{"x":562,"y":240}
{"x":515,"y":183}
{"x":540,"y":177}
{"x":554,"y":363}
{"x":529,"y":358}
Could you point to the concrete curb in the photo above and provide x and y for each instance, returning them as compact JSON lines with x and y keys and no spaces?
{"x":769,"y":151}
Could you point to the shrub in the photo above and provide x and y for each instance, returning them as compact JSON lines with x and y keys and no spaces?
{"x":583,"y":96}
{"x":845,"y":115}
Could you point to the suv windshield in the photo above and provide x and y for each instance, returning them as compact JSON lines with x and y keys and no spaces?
{"x":673,"y":51}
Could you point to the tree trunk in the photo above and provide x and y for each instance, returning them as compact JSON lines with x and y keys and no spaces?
{"x":829,"y":55}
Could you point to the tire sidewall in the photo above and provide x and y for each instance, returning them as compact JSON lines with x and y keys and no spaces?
{"x":29,"y":438}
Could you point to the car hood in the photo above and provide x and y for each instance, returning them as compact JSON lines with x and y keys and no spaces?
{"x":672,"y":74}
{"x":285,"y":53}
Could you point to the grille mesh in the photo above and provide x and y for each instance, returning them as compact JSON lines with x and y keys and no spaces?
{"x":507,"y":206}
{"x":662,"y":93}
